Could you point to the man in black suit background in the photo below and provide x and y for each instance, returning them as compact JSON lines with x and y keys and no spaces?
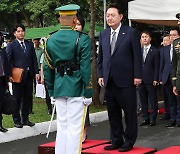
{"x":21,"y":54}
{"x":148,"y":88}
{"x":119,"y":71}
{"x":3,"y":81}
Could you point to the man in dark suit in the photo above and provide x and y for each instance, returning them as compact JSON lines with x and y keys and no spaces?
{"x":21,"y":54}
{"x":119,"y":70}
{"x":148,"y":88}
{"x":165,"y":78}
{"x":166,"y":55}
{"x":3,"y":82}
{"x":165,"y":42}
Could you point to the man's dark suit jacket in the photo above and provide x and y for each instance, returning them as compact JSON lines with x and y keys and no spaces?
{"x":125,"y":63}
{"x":5,"y":63}
{"x":165,"y":64}
{"x":151,"y":66}
{"x":17,"y":57}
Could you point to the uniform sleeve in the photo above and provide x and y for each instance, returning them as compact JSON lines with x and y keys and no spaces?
{"x":174,"y":67}
{"x":49,"y":72}
{"x":85,"y":66}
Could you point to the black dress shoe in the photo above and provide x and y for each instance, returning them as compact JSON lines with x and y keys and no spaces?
{"x":152,"y":123}
{"x":2,"y":129}
{"x":28,"y":123}
{"x":145,"y":122}
{"x":18,"y":125}
{"x":125,"y":147}
{"x":111,"y":147}
{"x":171,"y":124}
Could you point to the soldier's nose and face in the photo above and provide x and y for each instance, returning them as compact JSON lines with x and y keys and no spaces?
{"x":173,"y":35}
{"x":19,"y":33}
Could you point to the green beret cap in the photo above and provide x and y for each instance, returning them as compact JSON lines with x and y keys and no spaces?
{"x":69,"y":7}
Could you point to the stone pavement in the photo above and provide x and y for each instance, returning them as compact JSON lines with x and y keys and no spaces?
{"x":158,"y":137}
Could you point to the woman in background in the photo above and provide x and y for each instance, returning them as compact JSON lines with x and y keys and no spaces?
{"x":79,"y":27}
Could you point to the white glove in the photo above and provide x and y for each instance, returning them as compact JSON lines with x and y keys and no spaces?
{"x":52,"y":100}
{"x":87,"y":101}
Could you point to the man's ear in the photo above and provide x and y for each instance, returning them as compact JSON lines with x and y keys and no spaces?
{"x":75,"y":20}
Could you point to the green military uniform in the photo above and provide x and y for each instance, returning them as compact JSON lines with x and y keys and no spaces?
{"x":60,"y":47}
{"x":67,"y":72}
{"x":176,"y":73}
{"x":39,"y":52}
{"x":176,"y":64}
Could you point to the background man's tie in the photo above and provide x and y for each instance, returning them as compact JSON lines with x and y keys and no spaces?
{"x":145,"y":54}
{"x":113,"y":42}
{"x":23,"y":47}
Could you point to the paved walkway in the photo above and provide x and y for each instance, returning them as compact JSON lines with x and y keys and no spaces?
{"x":158,"y":137}
{"x":42,"y":128}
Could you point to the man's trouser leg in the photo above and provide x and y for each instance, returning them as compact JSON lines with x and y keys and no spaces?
{"x":70,"y":124}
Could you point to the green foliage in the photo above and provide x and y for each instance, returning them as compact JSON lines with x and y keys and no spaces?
{"x":42,"y":13}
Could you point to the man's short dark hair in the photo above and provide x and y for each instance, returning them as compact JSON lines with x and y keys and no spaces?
{"x":146,"y":32}
{"x":81,"y":20}
{"x":19,"y":25}
{"x":116,"y":6}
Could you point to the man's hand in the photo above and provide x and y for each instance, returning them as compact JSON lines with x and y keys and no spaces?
{"x":11,"y":79}
{"x":37,"y":77}
{"x":101,"y":82}
{"x":87,"y":101}
{"x":137,"y":82}
{"x":155,"y":83}
{"x":175,"y":91}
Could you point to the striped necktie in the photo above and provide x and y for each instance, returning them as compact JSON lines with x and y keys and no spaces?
{"x":113,"y":42}
{"x":145,"y":53}
{"x":23,"y":47}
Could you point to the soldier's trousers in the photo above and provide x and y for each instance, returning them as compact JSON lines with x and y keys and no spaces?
{"x":71,"y":114}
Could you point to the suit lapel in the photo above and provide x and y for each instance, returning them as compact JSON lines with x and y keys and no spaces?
{"x":149,"y":53}
{"x":107,"y":41}
{"x":122,"y":33}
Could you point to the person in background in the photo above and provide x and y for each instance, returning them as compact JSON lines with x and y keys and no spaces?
{"x":39,"y":51}
{"x":120,"y":71}
{"x":48,"y":99}
{"x":3,"y":82}
{"x":175,"y":71}
{"x":21,"y":54}
{"x":166,"y":40}
{"x":165,"y":76}
{"x":67,"y":71}
{"x":148,"y":87}
{"x":79,"y":27}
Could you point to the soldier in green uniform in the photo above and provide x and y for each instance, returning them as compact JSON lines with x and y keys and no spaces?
{"x":67,"y":75}
{"x":176,"y":72}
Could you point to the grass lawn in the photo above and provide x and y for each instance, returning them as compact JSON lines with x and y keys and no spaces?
{"x":41,"y":113}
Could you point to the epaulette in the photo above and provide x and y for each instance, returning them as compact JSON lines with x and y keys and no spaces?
{"x":53,"y":32}
{"x":47,"y":58}
{"x":82,"y":32}
{"x":176,"y":45}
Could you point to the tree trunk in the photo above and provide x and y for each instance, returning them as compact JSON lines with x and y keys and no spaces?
{"x":93,"y":65}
